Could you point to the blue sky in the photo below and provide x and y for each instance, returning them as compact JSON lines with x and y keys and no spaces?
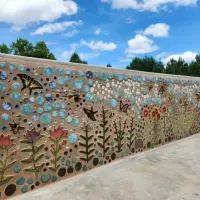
{"x":103,"y":31}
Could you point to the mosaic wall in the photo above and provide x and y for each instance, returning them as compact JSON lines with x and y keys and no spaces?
{"x":57,"y":121}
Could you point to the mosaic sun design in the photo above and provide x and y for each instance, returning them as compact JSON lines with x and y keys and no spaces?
{"x":57,"y":121}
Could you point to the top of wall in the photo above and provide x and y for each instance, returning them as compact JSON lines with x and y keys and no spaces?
{"x":45,"y":62}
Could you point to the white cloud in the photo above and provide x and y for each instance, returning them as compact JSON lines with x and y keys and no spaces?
{"x":23,"y":12}
{"x":150,"y":5}
{"x":188,"y":56}
{"x":140,"y":45}
{"x":86,"y":56}
{"x":72,"y":48}
{"x":97,"y":31}
{"x":72,"y":33}
{"x":157,"y":30}
{"x":101,"y":46}
{"x":56,"y":27}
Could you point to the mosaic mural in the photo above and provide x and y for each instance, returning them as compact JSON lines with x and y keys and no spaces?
{"x":57,"y":121}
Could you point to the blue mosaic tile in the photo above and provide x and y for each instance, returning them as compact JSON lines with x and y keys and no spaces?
{"x":45,"y":119}
{"x":3,"y":75}
{"x":73,"y":138}
{"x":2,"y":87}
{"x":27,"y":109}
{"x":48,"y":71}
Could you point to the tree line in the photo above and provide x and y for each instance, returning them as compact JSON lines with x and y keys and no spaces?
{"x":177,"y":67}
{"x":23,"y":47}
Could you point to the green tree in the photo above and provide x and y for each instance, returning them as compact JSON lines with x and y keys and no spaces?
{"x":194,"y":67}
{"x":22,"y":47}
{"x":179,"y":67}
{"x":148,"y":64}
{"x":4,"y":49}
{"x":41,"y":50}
{"x":75,"y":58}
{"x":108,"y":65}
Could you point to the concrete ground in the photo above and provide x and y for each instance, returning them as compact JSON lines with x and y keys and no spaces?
{"x":170,"y":172}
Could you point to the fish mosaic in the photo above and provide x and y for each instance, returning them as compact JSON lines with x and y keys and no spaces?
{"x":58,"y":120}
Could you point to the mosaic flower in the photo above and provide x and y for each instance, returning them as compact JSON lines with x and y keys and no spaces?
{"x":164,"y":109}
{"x":156,"y":114}
{"x":5,"y":141}
{"x":58,"y":133}
{"x":145,"y":112}
{"x":32,"y":136}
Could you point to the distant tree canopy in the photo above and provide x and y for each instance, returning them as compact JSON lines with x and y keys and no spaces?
{"x":177,"y":67}
{"x":108,"y":65}
{"x":148,"y":64}
{"x":4,"y":48}
{"x":75,"y":58}
{"x":23,"y":47}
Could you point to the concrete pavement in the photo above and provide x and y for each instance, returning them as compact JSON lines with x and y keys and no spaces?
{"x":170,"y":172}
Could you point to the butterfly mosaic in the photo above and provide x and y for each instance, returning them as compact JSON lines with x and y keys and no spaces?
{"x":29,"y":82}
{"x":124,"y":107}
{"x":90,"y":113}
{"x":16,"y":128}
